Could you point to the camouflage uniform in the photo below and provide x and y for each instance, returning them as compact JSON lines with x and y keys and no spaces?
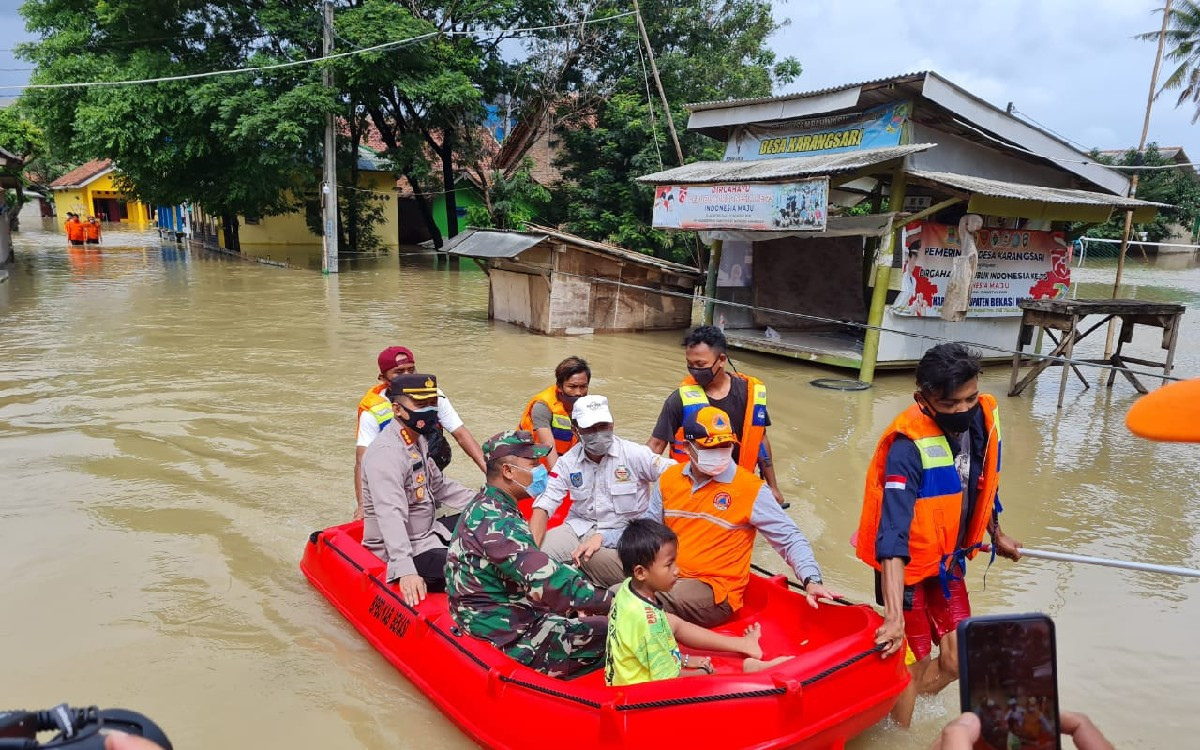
{"x":505,"y":590}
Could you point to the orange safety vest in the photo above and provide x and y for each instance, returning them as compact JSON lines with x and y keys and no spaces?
{"x":92,"y":231}
{"x":933,"y":535}
{"x":754,"y":426}
{"x":560,"y":421}
{"x":375,"y":402}
{"x":716,"y":538}
{"x":75,"y":231}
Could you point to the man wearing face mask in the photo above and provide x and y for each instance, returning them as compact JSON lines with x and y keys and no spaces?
{"x":710,"y":383}
{"x":717,"y":509}
{"x":402,"y":490}
{"x":609,"y":481}
{"x":505,"y":590}
{"x":548,"y":414}
{"x":932,"y":491}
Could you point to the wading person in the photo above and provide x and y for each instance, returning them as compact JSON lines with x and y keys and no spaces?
{"x":931,"y":493}
{"x":717,"y":508}
{"x":76,"y":234}
{"x":92,"y":231}
{"x":548,"y":414}
{"x":403,"y":489}
{"x":505,"y":590}
{"x":375,"y":413}
{"x":609,"y":481}
{"x":709,"y":383}
{"x":643,"y":640}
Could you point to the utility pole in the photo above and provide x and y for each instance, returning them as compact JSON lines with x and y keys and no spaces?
{"x":1133,"y":181}
{"x":329,"y":213}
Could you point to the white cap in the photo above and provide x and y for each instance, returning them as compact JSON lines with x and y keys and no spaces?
{"x":591,"y":410}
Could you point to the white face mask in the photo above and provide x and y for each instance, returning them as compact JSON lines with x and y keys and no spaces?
{"x":712,"y":461}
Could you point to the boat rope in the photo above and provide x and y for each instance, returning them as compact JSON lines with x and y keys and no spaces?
{"x":793,"y":585}
{"x":452,"y":638}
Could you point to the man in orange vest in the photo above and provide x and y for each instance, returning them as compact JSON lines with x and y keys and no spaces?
{"x":709,"y":383}
{"x":375,"y":412}
{"x":76,"y":234}
{"x":92,"y":231}
{"x":932,"y":492}
{"x":548,"y":414}
{"x":717,"y":508}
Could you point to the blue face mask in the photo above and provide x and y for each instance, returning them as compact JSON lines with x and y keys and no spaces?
{"x":540,"y":478}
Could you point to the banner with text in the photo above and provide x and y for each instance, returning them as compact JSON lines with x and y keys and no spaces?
{"x":873,"y":128}
{"x":798,"y":206}
{"x":1014,"y":265}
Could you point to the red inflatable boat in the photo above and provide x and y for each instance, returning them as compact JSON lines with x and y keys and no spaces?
{"x":834,"y":688}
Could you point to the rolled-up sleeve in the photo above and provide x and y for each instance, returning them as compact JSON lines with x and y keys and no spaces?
{"x":782,"y":533}
{"x":901,"y":482}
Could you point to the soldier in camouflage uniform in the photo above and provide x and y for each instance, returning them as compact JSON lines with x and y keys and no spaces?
{"x":504,"y":589}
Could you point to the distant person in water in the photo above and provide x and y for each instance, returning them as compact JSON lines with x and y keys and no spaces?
{"x":92,"y":231}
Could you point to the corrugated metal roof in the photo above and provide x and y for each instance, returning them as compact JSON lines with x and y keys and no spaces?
{"x":621,"y":252}
{"x":486,"y":243}
{"x":1017,"y":191}
{"x":767,"y":170}
{"x":702,"y":106}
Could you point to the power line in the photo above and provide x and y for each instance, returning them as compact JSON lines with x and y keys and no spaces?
{"x":312,"y":60}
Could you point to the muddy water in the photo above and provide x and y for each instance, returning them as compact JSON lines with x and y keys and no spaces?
{"x":173,"y":424}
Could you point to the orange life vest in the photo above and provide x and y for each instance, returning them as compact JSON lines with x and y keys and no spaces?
{"x":375,"y":402}
{"x":933,"y":535}
{"x":92,"y":231}
{"x":560,"y":420}
{"x":716,"y":539}
{"x":754,"y":426}
{"x":75,"y":231}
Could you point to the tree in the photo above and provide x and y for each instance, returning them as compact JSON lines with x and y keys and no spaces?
{"x":510,"y":201}
{"x":1182,"y":47}
{"x":612,"y":126}
{"x":1179,"y":188}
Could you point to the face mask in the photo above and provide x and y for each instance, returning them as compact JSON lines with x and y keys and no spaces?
{"x":597,"y":443}
{"x":702,"y":375}
{"x":423,"y":421}
{"x":957,"y":422}
{"x":539,"y":479}
{"x":567,"y":401}
{"x":713,"y":461}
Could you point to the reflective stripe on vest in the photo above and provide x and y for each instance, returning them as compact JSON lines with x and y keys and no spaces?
{"x":750,"y":437}
{"x":935,"y":529}
{"x":707,"y":517}
{"x":375,"y":402}
{"x":560,"y":421}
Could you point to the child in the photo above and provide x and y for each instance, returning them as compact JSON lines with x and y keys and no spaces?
{"x":641,"y":636}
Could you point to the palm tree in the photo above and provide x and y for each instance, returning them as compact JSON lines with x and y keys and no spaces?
{"x":1182,"y":47}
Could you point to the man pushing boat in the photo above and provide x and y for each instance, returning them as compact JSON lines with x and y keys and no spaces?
{"x":932,"y":491}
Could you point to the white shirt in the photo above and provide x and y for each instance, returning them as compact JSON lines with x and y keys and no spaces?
{"x":369,"y":429}
{"x":606,"y":495}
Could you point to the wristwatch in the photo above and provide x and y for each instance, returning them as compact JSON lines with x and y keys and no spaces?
{"x":810,"y":579}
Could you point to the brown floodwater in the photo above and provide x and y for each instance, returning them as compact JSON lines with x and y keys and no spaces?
{"x":173,"y":424}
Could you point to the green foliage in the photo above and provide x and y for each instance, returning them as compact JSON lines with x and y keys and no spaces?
{"x":1177,"y":187}
{"x":510,"y":201}
{"x":1183,"y":49}
{"x":613,"y":127}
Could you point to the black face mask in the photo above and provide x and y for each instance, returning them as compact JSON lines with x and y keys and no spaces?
{"x":568,"y":402}
{"x":702,"y":375}
{"x":957,"y":422}
{"x":424,"y":421}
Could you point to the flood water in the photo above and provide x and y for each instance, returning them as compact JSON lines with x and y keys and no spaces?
{"x":173,"y":424}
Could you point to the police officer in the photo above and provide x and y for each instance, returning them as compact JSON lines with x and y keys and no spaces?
{"x":505,"y":590}
{"x":402,"y":490}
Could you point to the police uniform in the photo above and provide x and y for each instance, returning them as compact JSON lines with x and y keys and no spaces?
{"x":505,"y":590}
{"x":402,"y":492}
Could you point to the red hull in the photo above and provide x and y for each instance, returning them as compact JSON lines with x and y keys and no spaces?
{"x":804,"y":702}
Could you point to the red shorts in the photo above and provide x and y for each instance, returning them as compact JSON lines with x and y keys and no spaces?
{"x":930,"y":615}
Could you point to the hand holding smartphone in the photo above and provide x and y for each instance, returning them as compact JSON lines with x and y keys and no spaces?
{"x":1008,"y":678}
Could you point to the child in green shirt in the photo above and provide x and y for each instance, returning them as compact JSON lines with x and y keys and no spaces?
{"x":643,"y":640}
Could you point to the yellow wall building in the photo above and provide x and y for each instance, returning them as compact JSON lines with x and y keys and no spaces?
{"x":90,"y":190}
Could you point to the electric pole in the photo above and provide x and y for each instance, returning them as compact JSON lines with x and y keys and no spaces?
{"x":329,"y":213}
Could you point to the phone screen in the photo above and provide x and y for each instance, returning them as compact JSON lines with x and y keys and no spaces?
{"x":1008,"y":678}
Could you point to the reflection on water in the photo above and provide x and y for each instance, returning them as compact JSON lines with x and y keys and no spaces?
{"x":174,"y":423}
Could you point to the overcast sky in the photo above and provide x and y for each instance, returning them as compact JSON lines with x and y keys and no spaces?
{"x":1072,"y":65}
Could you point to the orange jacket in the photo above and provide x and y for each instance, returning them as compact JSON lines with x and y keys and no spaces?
{"x":753,"y":429}
{"x":560,"y":420}
{"x":75,"y":231}
{"x":716,"y":539}
{"x":92,"y":230}
{"x":375,"y":402}
{"x":933,"y":535}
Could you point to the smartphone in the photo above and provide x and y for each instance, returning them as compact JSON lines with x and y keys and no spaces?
{"x":1008,"y":675}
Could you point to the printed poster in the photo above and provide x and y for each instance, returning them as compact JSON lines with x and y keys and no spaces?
{"x":874,"y":128}
{"x":799,"y":206}
{"x":737,"y":264}
{"x":1014,"y":265}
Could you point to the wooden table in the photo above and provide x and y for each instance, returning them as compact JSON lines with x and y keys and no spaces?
{"x":1066,"y":316}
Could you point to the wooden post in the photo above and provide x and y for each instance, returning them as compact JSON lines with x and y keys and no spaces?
{"x":883,"y":277}
{"x":329,"y":188}
{"x":658,"y":82}
{"x":710,"y":281}
{"x":1133,"y":182}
